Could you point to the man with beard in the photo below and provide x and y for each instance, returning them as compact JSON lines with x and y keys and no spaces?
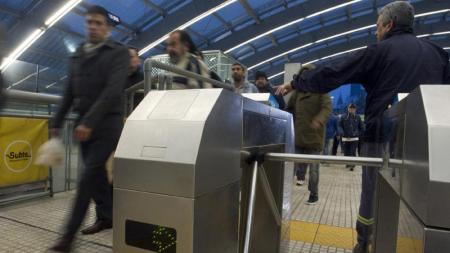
{"x":183,"y":54}
{"x":239,"y":82}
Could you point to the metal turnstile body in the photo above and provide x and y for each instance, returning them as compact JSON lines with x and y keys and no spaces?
{"x":178,"y":171}
{"x":413,"y":210}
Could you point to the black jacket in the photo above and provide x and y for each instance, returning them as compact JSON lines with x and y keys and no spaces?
{"x":350,"y":126}
{"x":398,"y":64}
{"x":95,"y":86}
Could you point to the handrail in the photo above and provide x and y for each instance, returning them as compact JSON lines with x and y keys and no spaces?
{"x":150,"y":63}
{"x":348,"y":160}
{"x":32,"y":97}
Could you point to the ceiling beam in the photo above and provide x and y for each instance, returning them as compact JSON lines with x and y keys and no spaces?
{"x":6,"y":10}
{"x":154,"y":7}
{"x":250,"y":11}
{"x":174,"y":20}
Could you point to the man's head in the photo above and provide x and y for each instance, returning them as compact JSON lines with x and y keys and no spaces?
{"x":396,"y":14}
{"x":237,"y":72}
{"x":261,"y":80}
{"x":178,"y":44}
{"x":98,"y":25}
{"x":135,"y":61}
{"x":352,"y":108}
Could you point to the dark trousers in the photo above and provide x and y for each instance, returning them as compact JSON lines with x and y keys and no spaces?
{"x":350,"y":149}
{"x":336,"y":142}
{"x":301,"y":168}
{"x":365,"y":220}
{"x":93,"y":183}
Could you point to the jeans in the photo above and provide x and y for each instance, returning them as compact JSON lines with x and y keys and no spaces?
{"x":336,"y":142}
{"x":365,"y":220}
{"x":327,"y":146}
{"x":300,"y":170}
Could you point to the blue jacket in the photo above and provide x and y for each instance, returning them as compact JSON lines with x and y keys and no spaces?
{"x":332,"y":127}
{"x":398,"y":64}
{"x":350,"y":126}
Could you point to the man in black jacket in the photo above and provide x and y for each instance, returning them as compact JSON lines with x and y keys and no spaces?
{"x":398,"y":63}
{"x":263,"y":85}
{"x":350,"y":128}
{"x":97,"y":78}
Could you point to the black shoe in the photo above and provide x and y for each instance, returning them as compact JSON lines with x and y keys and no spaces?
{"x":98,"y":226}
{"x":313,"y":200}
{"x":360,"y":249}
{"x":62,"y":246}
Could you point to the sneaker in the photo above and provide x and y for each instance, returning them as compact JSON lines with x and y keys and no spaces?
{"x":312,"y":200}
{"x":360,"y":249}
{"x":300,"y":182}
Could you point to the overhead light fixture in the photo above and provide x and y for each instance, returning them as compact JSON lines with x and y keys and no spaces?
{"x":291,"y":23}
{"x":431,"y":13}
{"x":37,"y":33}
{"x":277,"y":56}
{"x":356,"y":49}
{"x":323,"y":58}
{"x":433,"y":34}
{"x":61,"y":12}
{"x":186,"y":25}
{"x":349,"y":32}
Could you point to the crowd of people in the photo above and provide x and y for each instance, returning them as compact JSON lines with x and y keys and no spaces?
{"x":398,"y":63}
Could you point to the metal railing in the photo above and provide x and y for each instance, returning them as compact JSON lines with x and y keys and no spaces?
{"x":32,"y":97}
{"x":149,"y":64}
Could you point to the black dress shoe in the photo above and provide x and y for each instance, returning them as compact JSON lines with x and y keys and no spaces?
{"x":360,"y":249}
{"x":97,"y":227}
{"x":62,"y":246}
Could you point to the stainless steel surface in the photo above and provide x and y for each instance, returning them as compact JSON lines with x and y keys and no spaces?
{"x":269,"y":195}
{"x":31,"y":97}
{"x":417,"y":131}
{"x":177,"y":170}
{"x":419,"y":146}
{"x":174,"y":142}
{"x":301,"y":158}
{"x":251,"y":207}
{"x":149,"y":64}
{"x":266,"y":129}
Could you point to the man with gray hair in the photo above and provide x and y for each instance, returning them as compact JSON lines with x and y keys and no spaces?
{"x":398,"y":63}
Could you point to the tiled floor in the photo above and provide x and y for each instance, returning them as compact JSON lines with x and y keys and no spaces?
{"x":326,"y":227}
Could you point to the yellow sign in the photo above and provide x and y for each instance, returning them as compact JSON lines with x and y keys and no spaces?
{"x":19,"y":141}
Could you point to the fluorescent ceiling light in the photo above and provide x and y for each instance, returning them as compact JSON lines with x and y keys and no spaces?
{"x":431,"y":13}
{"x":346,"y":33}
{"x":352,"y":50}
{"x":61,"y":12}
{"x":270,"y":77}
{"x":323,"y":58}
{"x":277,"y":56}
{"x":37,"y":33}
{"x":291,"y":23}
{"x":184,"y":26}
{"x":433,"y":34}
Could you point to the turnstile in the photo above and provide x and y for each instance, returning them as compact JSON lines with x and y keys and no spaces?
{"x":413,"y":203}
{"x":178,"y":171}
